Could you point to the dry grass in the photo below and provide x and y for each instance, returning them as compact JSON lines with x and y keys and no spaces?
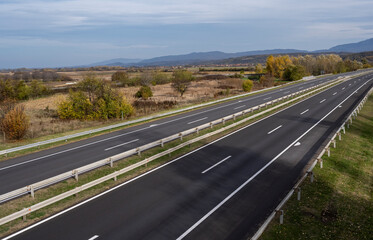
{"x":43,"y":111}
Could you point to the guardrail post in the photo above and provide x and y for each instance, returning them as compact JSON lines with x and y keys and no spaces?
{"x":321,"y":162}
{"x":298,"y":193}
{"x":344,"y":129}
{"x":281,"y":216}
{"x":32,"y":192}
{"x":111,"y":162}
{"x":115,"y":176}
{"x":162,"y":144}
{"x":234,"y":117}
{"x":328,"y":151}
{"x":339,"y":136}
{"x":181,"y":136}
{"x":223,"y":121}
{"x":211,"y":125}
{"x":76,"y":175}
{"x":334,"y":143}
{"x":197,"y":130}
{"x":24,"y":216}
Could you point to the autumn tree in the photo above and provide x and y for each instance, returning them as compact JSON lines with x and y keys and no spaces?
{"x":15,"y":123}
{"x":259,"y":68}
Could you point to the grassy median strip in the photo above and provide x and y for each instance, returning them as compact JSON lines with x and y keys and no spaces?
{"x":43,"y":194}
{"x":339,"y":203}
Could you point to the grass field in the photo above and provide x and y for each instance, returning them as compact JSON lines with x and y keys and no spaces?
{"x":339,"y":203}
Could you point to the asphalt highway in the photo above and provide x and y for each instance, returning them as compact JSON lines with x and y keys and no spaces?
{"x":25,"y":170}
{"x":223,"y":190}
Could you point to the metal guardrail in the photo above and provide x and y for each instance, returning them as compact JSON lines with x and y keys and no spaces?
{"x":309,"y":172}
{"x":114,"y":175}
{"x":89,"y":132}
{"x":110,"y":160}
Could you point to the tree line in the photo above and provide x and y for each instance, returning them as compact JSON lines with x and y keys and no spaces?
{"x":294,"y":68}
{"x":28,"y":76}
{"x":19,"y":90}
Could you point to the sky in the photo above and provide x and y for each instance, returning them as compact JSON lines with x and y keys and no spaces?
{"x":46,"y":33}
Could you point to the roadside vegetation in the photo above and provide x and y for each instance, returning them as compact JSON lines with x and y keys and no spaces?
{"x":59,"y":102}
{"x":339,"y":203}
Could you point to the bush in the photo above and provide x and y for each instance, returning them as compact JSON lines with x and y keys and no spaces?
{"x":38,"y":89}
{"x":121,"y":77}
{"x":247,"y":85}
{"x":267,"y":80}
{"x":22,"y":91}
{"x":145,"y":92}
{"x":95,"y":100}
{"x":15,"y":123}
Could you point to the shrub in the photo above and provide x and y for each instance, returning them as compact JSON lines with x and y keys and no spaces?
{"x":15,"y":123}
{"x":267,"y":80}
{"x":95,"y":100}
{"x":144,"y":92}
{"x":247,"y":85}
{"x":38,"y":89}
{"x":121,"y":77}
{"x":21,"y":90}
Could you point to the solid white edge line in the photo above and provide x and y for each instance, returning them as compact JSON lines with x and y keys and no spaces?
{"x":197,"y":120}
{"x":216,"y":164}
{"x":304,"y":112}
{"x":94,"y":237}
{"x":256,"y":174}
{"x":274,"y":129}
{"x":135,"y":140}
{"x":150,"y":171}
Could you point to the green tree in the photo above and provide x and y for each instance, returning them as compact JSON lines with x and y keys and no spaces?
{"x":181,"y":81}
{"x":6,"y":90}
{"x":21,"y":90}
{"x":37,"y":89}
{"x":294,"y":72}
{"x":90,"y":84}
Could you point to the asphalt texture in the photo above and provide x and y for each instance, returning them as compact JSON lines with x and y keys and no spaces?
{"x":31,"y":168}
{"x":224,"y":190}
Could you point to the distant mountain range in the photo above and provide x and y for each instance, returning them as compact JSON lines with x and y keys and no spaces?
{"x":203,"y":57}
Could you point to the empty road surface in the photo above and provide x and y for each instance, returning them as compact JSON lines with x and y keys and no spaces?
{"x":223,"y":190}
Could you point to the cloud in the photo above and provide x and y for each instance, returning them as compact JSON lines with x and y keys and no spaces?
{"x":67,"y":13}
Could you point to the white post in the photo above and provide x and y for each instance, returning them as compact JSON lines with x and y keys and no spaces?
{"x":298,"y":194}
